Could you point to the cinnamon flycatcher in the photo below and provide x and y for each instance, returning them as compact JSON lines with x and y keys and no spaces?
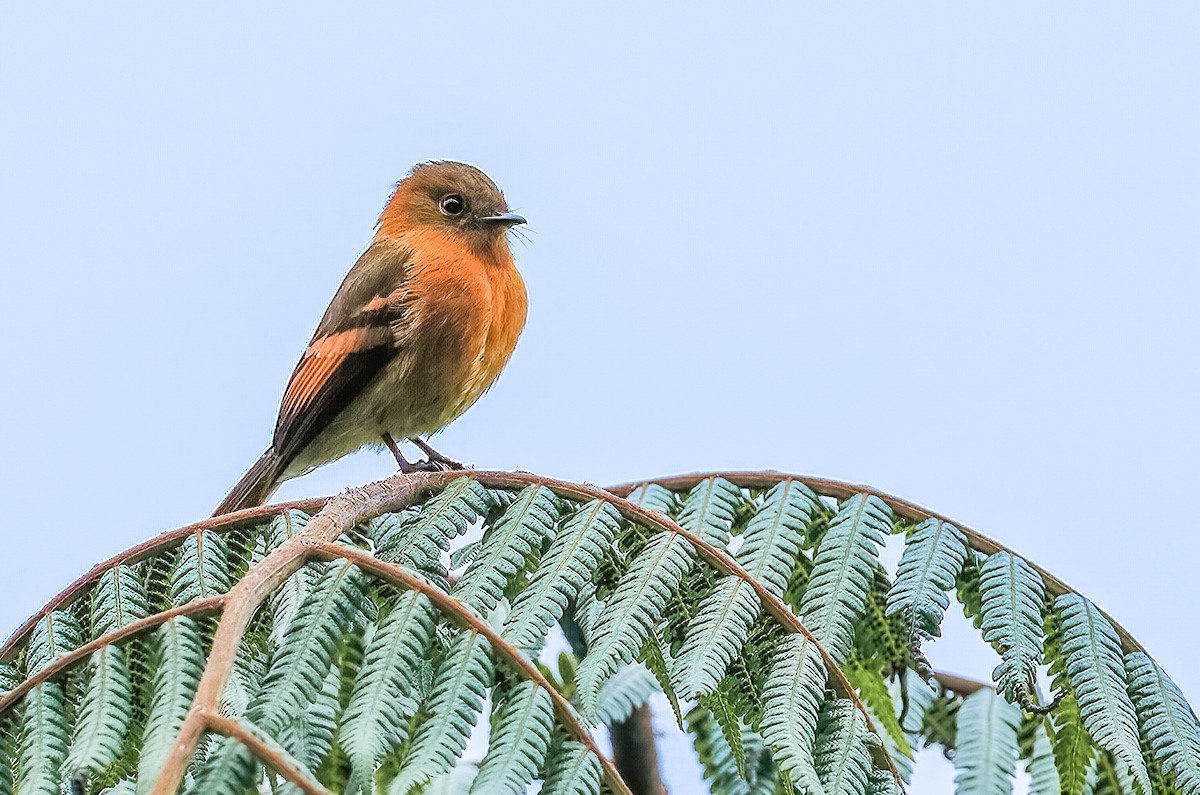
{"x":419,"y":329}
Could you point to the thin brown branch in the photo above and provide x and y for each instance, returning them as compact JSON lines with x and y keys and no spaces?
{"x":902,"y":507}
{"x":127,"y":632}
{"x":464,"y":617}
{"x":340,"y":514}
{"x":269,"y":756}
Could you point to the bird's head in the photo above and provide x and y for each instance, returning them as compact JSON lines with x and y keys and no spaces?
{"x":453,"y":197}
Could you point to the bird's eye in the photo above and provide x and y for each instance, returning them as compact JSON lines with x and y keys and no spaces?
{"x":453,"y":204}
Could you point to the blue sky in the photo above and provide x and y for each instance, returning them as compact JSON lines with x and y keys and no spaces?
{"x":947,"y":250}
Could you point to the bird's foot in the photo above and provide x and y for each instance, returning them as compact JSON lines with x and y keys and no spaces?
{"x":435,"y":461}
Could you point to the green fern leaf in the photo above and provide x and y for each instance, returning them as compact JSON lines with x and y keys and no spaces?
{"x":1097,"y":673}
{"x":933,"y":557}
{"x":521,"y":529}
{"x":10,"y":677}
{"x":1073,"y":749}
{"x":7,"y":743}
{"x":522,"y":722}
{"x":873,"y":692}
{"x":303,"y":659}
{"x":1043,"y":773}
{"x":180,"y":662}
{"x":793,"y":692}
{"x":245,"y":679}
{"x":230,"y":769}
{"x":383,"y":699}
{"x":286,"y":599}
{"x":986,"y":758}
{"x":44,"y":739}
{"x":417,"y":539}
{"x":844,"y":571}
{"x":842,"y":753}
{"x":104,"y":715}
{"x":882,"y":782}
{"x":770,"y":545}
{"x":202,"y":569}
{"x":571,"y":769}
{"x":55,"y":635}
{"x":118,"y":599}
{"x":718,"y":759}
{"x":309,"y":738}
{"x":625,"y":691}
{"x":459,"y":686}
{"x":654,"y":497}
{"x":572,"y":558}
{"x":639,"y":600}
{"x":1167,"y":722}
{"x":1011,"y":595}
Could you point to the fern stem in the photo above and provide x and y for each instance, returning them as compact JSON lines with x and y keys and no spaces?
{"x":467,"y":619}
{"x":265,"y":753}
{"x":130,"y":630}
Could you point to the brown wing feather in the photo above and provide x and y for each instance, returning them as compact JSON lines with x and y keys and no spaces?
{"x":352,"y":344}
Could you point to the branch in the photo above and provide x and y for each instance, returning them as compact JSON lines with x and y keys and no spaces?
{"x":467,"y":619}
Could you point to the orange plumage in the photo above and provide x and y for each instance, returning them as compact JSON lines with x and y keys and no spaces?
{"x":420,"y":328}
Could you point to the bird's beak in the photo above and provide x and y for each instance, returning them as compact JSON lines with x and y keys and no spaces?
{"x":508,"y":219}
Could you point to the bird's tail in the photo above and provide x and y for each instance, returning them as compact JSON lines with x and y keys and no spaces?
{"x":255,"y":486}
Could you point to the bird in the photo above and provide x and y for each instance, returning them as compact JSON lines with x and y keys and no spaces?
{"x":419,"y":329}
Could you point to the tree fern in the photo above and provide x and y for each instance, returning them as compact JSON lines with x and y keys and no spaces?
{"x":718,"y":761}
{"x":572,"y":559}
{"x":640,"y":598}
{"x":417,"y":539}
{"x":1167,"y":722}
{"x":383,"y":699}
{"x":1043,"y":773}
{"x":842,"y":755}
{"x":770,"y":544}
{"x":297,"y":671}
{"x":793,"y":692}
{"x":1011,"y":594}
{"x":526,"y":523}
{"x":309,"y":738}
{"x":203,"y":569}
{"x":874,"y":693}
{"x":1097,"y":673}
{"x":625,"y":691}
{"x":52,"y":637}
{"x":44,"y":739}
{"x":571,"y":769}
{"x":459,"y":685}
{"x":179,"y":663}
{"x":933,"y":557}
{"x":843,"y":571}
{"x":986,"y":758}
{"x":521,"y":727}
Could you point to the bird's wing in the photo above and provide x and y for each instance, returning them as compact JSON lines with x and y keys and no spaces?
{"x":352,"y":344}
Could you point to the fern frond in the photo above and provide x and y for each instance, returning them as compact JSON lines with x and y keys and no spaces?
{"x":623,"y":692}
{"x":104,"y":715}
{"x":881,"y":782}
{"x":7,"y":741}
{"x":843,"y":572}
{"x":119,"y":598}
{"x":303,"y":658}
{"x":842,"y":754}
{"x":718,"y":761}
{"x":1043,"y":773}
{"x":55,"y":635}
{"x":179,"y":664}
{"x":793,"y":692}
{"x":522,"y":722}
{"x":383,"y":700}
{"x":230,"y":769}
{"x":459,"y":685}
{"x":986,"y":758}
{"x":770,"y":545}
{"x":571,"y":769}
{"x":1168,"y":724}
{"x":571,"y":560}
{"x":417,"y":539}
{"x":286,"y":599}
{"x":654,"y":497}
{"x":44,"y":739}
{"x":309,"y":738}
{"x":202,"y":569}
{"x":522,"y":528}
{"x":245,"y":679}
{"x":874,"y":693}
{"x":1011,"y":596}
{"x":1097,"y":673}
{"x":933,"y":557}
{"x":710,"y":510}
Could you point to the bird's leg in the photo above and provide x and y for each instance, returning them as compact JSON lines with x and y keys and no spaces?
{"x":438,"y":460}
{"x":405,"y":465}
